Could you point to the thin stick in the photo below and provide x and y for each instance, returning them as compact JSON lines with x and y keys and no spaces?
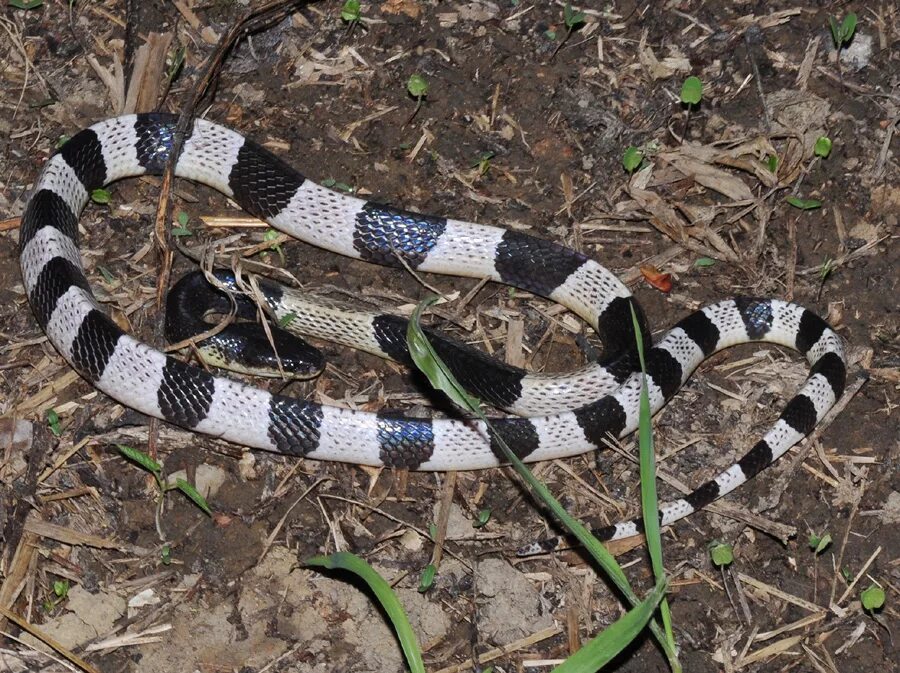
{"x":43,"y":637}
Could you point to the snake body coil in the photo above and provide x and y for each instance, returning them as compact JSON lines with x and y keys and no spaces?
{"x":164,"y":387}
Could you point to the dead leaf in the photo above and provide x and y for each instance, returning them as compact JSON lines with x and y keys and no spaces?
{"x":408,"y":7}
{"x":661,"y":281}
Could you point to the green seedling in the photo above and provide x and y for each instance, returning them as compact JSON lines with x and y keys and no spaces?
{"x":842,"y":33}
{"x":824,"y":271}
{"x":350,"y":11}
{"x":101,"y":196}
{"x":53,"y":422}
{"x":61,"y":589}
{"x":772,"y":163}
{"x":704,"y":262}
{"x":819,"y":543}
{"x":165,"y":555}
{"x":632,"y":158}
{"x":822,"y":148}
{"x":481,"y":519}
{"x":63,"y":139}
{"x":721,"y":554}
{"x":573,"y":20}
{"x":350,"y":14}
{"x":691,"y":95}
{"x":804,"y":204}
{"x":426,"y":581}
{"x":271,"y":236}
{"x":417,"y":87}
{"x":143,"y":460}
{"x":872,"y":598}
{"x":25,"y":4}
{"x":182,"y":228}
{"x":483,"y":163}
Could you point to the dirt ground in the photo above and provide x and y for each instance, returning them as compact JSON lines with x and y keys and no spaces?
{"x":528,"y":132}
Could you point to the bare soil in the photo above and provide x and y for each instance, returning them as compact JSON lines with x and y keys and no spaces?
{"x":511,"y":132}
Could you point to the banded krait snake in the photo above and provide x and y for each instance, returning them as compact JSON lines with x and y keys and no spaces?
{"x":164,"y":387}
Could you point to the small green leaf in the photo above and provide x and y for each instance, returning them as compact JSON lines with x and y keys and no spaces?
{"x":826,"y":269}
{"x":848,"y":28}
{"x":772,"y":163}
{"x":846,"y":574}
{"x":329,"y":182}
{"x":165,"y":555}
{"x":182,"y":218}
{"x":571,"y":17}
{"x":61,"y":588}
{"x":550,"y":34}
{"x":819,"y":543}
{"x":721,"y":554}
{"x":26,"y":4}
{"x":483,"y":516}
{"x":427,"y":579}
{"x":178,"y":232}
{"x":350,"y":11}
{"x":193,"y":494}
{"x":632,"y":158}
{"x":704,"y":262}
{"x":63,"y":139}
{"x":872,"y":598}
{"x":822,"y":147}
{"x":804,"y":204}
{"x":835,"y":31}
{"x":101,"y":196}
{"x":385,"y":596}
{"x":53,"y":422}
{"x":432,"y":530}
{"x":691,"y":90}
{"x":417,"y":86}
{"x":140,"y":458}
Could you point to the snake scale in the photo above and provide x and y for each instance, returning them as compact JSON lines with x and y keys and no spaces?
{"x":599,"y":401}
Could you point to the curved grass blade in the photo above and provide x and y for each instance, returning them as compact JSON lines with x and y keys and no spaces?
{"x":602,"y":648}
{"x":385,"y":596}
{"x":428,"y":361}
{"x":649,"y":498}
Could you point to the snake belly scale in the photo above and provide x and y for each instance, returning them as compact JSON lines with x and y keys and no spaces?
{"x":162,"y":386}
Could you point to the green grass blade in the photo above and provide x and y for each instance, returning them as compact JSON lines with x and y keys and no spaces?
{"x":386,"y":597}
{"x":602,"y":648}
{"x":649,"y":497}
{"x":427,"y":360}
